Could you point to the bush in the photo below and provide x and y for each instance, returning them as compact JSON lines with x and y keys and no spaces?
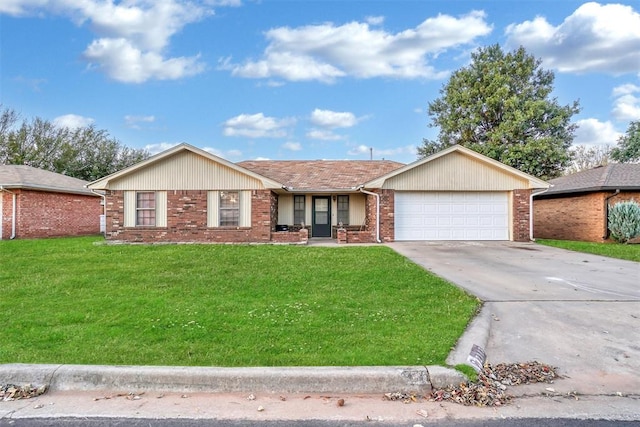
{"x":624,"y":221}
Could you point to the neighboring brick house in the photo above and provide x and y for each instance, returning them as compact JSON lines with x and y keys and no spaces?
{"x":35,"y":203}
{"x":576,"y":206}
{"x":185,"y":194}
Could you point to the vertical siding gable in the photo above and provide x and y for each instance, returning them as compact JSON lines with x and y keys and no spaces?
{"x":186,"y":171}
{"x":456,"y":172}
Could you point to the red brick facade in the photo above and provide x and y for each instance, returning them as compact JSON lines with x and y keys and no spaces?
{"x":521,"y":215}
{"x":47,"y":214}
{"x":580,"y":216}
{"x":187,"y":220}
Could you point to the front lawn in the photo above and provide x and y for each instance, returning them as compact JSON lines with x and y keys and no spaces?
{"x":613,"y":250}
{"x":78,"y":301}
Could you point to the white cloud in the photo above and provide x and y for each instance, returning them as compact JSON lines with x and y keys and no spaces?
{"x":326,"y":52}
{"x":626,"y":106}
{"x":229,"y":3}
{"x":595,"y":38}
{"x":123,"y":62}
{"x":133,"y":121}
{"x":159,"y":147}
{"x":292,"y":146}
{"x":21,"y":7}
{"x":322,"y":134}
{"x":333,"y":119}
{"x":257,"y":126}
{"x":374,"y":20}
{"x":228,"y":154}
{"x":72,"y":121}
{"x":132,"y":35}
{"x":595,"y":132}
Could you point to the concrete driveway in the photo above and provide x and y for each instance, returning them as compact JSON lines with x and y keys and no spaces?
{"x":578,"y":312}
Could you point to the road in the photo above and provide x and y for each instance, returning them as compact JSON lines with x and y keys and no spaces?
{"x":121,"y":422}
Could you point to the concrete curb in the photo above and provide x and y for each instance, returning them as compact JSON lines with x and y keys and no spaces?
{"x":374,"y":379}
{"x":476,"y":333}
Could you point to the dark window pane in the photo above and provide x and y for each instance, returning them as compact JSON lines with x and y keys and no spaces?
{"x":146,"y":208}
{"x":229,"y":209}
{"x":298,"y":209}
{"x":343,"y":210}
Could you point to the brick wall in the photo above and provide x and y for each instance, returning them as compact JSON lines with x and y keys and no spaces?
{"x":300,"y":236}
{"x":387,"y":220}
{"x":6,"y":203}
{"x":521,"y":215}
{"x":187,"y":220}
{"x":579,"y":217}
{"x":46,"y":214}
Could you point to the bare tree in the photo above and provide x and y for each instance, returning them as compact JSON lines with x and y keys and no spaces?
{"x":588,"y":157}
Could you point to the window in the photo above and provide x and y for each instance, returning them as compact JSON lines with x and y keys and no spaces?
{"x":298,"y":209}
{"x":229,"y":209}
{"x":146,"y":209}
{"x":343,"y":210}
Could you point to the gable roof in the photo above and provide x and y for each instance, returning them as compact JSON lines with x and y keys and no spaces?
{"x":533,"y":181}
{"x":103,"y":183}
{"x":321,"y":175}
{"x":30,"y":178}
{"x":614,"y":176}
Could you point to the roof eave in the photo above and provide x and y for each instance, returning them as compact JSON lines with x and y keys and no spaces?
{"x":47,"y":188}
{"x":590,"y":190}
{"x":320,"y":190}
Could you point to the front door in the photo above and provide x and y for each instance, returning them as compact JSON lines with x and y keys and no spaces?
{"x":321,"y":217}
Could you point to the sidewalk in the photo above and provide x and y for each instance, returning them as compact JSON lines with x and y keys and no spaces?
{"x":349,"y":394}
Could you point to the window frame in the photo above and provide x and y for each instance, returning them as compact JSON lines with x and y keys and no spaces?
{"x":340,"y":213}
{"x":224,"y":208}
{"x":298,"y":212}
{"x":143,"y":220}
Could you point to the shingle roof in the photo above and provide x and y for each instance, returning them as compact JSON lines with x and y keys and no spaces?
{"x":321,"y":174}
{"x":28,"y":177}
{"x":623,"y":176}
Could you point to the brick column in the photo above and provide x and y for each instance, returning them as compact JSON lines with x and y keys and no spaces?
{"x":521,"y":215}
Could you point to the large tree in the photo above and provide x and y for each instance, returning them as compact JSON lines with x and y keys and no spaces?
{"x":500,"y":105}
{"x":628,"y":148}
{"x":86,"y":152}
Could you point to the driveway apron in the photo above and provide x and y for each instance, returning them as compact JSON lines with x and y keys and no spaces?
{"x":578,"y":312}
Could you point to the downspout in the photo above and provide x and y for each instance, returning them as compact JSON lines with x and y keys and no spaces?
{"x":377,"y":211}
{"x":13,"y":213}
{"x":531,"y":212}
{"x":606,"y":214}
{"x":104,"y":209}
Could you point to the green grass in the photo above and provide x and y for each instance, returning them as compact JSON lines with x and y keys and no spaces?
{"x":613,"y":250}
{"x":81,"y":302}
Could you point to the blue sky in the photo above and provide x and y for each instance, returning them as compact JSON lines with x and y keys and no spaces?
{"x":277,"y":79}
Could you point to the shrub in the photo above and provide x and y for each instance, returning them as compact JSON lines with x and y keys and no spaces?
{"x":624,"y":221}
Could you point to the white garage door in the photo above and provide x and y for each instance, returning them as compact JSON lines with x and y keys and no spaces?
{"x":451,"y":216}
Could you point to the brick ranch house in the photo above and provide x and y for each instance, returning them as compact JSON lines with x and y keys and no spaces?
{"x":576,"y":206}
{"x":35,"y":203}
{"x":185,"y":194}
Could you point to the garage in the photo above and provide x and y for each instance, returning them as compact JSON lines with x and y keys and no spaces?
{"x":433,"y":215}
